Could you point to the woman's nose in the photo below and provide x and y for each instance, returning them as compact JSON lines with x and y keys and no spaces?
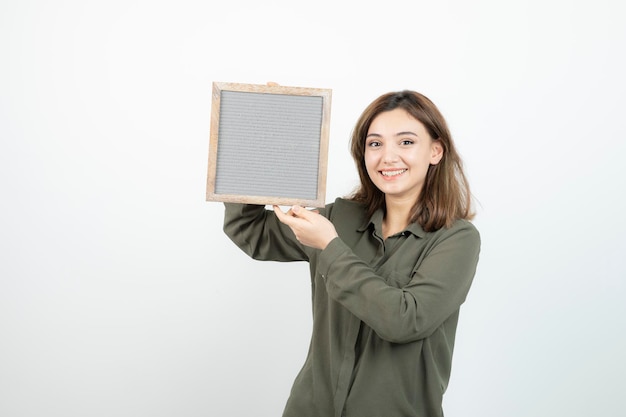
{"x":390,"y":154}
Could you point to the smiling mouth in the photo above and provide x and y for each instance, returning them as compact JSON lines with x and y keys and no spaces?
{"x":392,"y":173}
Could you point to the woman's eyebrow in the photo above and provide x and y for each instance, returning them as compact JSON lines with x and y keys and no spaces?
{"x":407,"y":133}
{"x":378,"y":135}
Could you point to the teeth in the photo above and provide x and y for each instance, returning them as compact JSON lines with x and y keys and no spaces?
{"x":392,"y":173}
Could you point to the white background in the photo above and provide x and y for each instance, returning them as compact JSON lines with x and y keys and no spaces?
{"x":121,"y":296}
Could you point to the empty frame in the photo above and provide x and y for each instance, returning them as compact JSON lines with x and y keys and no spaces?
{"x":268,"y":144}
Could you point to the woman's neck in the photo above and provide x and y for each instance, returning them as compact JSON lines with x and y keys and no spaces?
{"x":397,"y":217}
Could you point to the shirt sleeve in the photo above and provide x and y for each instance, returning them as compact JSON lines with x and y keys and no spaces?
{"x":258,"y":232}
{"x":437,"y":289}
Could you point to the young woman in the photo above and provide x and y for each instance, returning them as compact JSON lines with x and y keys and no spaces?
{"x":390,"y":267}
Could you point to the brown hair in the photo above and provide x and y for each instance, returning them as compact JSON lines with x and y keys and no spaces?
{"x":445,"y":196}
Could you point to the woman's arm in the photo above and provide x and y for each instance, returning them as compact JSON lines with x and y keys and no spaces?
{"x":437,"y":288}
{"x":259,"y":234}
{"x":436,"y":291}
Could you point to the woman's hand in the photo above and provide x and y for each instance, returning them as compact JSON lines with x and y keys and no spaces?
{"x":311,"y":229}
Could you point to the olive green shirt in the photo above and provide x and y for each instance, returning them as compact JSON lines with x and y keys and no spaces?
{"x":384,"y":311}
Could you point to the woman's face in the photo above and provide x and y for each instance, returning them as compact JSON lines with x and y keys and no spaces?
{"x":398,"y":152}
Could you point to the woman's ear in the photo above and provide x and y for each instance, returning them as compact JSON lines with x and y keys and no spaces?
{"x":436,"y":152}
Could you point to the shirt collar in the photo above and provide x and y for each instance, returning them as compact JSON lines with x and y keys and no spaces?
{"x":376,"y":221}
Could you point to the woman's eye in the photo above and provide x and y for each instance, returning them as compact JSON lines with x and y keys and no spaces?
{"x":373,"y":144}
{"x":407,"y":142}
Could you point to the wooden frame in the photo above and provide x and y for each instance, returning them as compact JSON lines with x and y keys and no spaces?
{"x":268,"y":144}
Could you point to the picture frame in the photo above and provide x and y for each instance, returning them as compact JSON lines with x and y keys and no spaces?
{"x":268,"y":144}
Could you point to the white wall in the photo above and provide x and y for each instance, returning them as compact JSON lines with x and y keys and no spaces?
{"x":119,"y":293}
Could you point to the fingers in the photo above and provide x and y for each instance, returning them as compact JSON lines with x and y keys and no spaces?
{"x":309,"y":227}
{"x":286,"y":218}
{"x":294,"y":212}
{"x":302,"y":213}
{"x":279,"y":213}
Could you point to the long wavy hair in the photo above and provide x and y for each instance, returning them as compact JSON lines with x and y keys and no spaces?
{"x":445,"y":196}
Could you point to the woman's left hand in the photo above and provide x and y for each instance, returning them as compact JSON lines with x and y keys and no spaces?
{"x":311,"y":229}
